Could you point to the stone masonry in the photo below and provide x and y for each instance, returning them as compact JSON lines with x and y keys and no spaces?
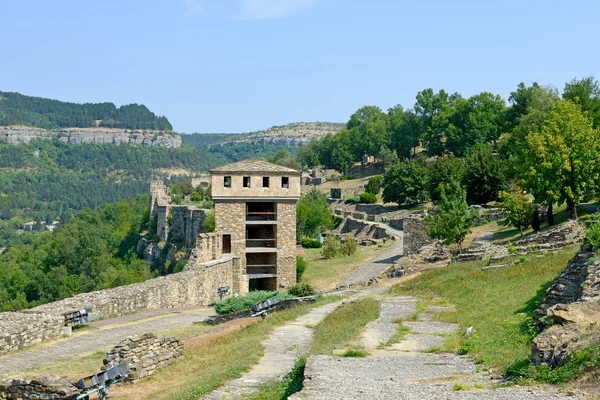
{"x":255,"y":205}
{"x":144,"y":354}
{"x":43,"y":387}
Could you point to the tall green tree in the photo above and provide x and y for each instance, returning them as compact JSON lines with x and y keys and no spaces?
{"x":445,"y":169}
{"x":562,"y":163}
{"x":518,"y":208}
{"x":454,"y":218}
{"x":585,"y":92}
{"x":313,"y":214}
{"x":484,"y":174}
{"x":407,"y":182}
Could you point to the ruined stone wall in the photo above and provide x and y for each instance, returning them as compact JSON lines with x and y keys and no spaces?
{"x":43,"y":387}
{"x":187,"y":222}
{"x":144,"y":354}
{"x":209,"y":246}
{"x":415,"y":234}
{"x":162,"y":222}
{"x":362,"y":230}
{"x":286,"y":242}
{"x":25,"y":328}
{"x":196,"y":285}
{"x":562,"y":235}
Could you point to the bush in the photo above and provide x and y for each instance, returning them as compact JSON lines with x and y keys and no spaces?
{"x":301,"y":290}
{"x":349,"y":246}
{"x":309,"y":243}
{"x":300,"y":267}
{"x":347,"y":177}
{"x":374,"y":184}
{"x":368,"y":198}
{"x":209,"y":221}
{"x":242,"y":303}
{"x":331,"y":247}
{"x":593,"y":232}
{"x":352,"y":200}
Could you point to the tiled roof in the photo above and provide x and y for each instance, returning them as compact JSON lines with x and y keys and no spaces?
{"x":250,"y":166}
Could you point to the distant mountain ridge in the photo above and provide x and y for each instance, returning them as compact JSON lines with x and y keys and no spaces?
{"x":292,"y":134}
{"x":19,"y":109}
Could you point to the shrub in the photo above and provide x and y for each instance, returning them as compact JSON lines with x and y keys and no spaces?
{"x":209,"y":221}
{"x":301,"y":290}
{"x":331,"y":247}
{"x":347,"y":177}
{"x":349,"y":246}
{"x":593,"y":232}
{"x":352,"y":200}
{"x":374,"y":184}
{"x":300,"y":267}
{"x":242,"y":303}
{"x":309,"y":243}
{"x":368,"y":198}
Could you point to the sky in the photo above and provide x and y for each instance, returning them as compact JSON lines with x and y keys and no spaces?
{"x":246,"y":65}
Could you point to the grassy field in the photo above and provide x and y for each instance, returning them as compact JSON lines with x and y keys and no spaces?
{"x":498,"y":303}
{"x":208,"y":362}
{"x":343,"y":325}
{"x":324,"y":274}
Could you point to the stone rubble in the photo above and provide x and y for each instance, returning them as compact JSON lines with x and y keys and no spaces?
{"x":38,"y":388}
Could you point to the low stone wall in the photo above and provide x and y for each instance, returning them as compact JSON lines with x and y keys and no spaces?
{"x":362,"y":230}
{"x":490,"y":214}
{"x":144,"y":354}
{"x":567,"y":233}
{"x":196,"y":285}
{"x":415,"y":234}
{"x":573,"y":304}
{"x":43,"y":387}
{"x":22,"y":329}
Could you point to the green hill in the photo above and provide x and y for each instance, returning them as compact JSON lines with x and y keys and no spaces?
{"x":19,"y":109}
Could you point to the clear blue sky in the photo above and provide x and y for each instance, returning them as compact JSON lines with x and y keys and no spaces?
{"x":243,"y":65}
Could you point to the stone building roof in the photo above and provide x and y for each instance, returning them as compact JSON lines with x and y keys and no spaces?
{"x":253,"y":166}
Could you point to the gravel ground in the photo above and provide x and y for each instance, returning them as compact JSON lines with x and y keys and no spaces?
{"x":399,"y":378}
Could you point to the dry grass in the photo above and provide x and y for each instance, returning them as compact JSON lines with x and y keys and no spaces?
{"x":212,"y":359}
{"x":324,"y":274}
{"x":75,"y":368}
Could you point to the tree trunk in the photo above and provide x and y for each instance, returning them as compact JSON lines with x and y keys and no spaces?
{"x":573,"y":209}
{"x":550,"y":215}
{"x":521,"y":230}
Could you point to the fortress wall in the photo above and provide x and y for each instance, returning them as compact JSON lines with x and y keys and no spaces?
{"x":193,"y":287}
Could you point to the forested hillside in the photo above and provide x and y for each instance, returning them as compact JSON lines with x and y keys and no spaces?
{"x":18,"y":109}
{"x":52,"y":180}
{"x":95,"y":250}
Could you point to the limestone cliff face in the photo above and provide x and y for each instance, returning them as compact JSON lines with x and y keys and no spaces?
{"x":20,"y":135}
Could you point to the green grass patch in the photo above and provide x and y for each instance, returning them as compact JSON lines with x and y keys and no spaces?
{"x":242,"y":303}
{"x":582,"y":362}
{"x":292,"y":383}
{"x":342,"y":325}
{"x":498,"y":303}
{"x":323,"y":274}
{"x":400,"y":334}
{"x":355,"y":353}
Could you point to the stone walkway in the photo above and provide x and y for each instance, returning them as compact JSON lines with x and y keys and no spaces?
{"x":364,"y":274}
{"x":282,"y":349}
{"x":97,"y":340}
{"x":405,"y":370}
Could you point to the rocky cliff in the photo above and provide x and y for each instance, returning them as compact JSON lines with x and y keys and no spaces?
{"x":21,"y":134}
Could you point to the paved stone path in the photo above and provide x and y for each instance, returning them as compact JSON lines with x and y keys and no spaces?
{"x":286,"y":344}
{"x":97,"y":340}
{"x":401,"y":371}
{"x":366,"y":272}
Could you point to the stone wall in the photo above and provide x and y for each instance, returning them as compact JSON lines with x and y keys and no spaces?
{"x":43,"y":387}
{"x":286,"y":242}
{"x":26,"y":328}
{"x":573,"y":304}
{"x":565,"y":234}
{"x":415,"y":234}
{"x":187,"y":223}
{"x":144,"y":354}
{"x":229,"y":217}
{"x":362,"y":230}
{"x":196,"y":285}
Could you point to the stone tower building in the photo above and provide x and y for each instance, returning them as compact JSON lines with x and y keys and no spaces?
{"x":255,"y":213}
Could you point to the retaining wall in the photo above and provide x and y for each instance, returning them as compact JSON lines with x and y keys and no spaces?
{"x":144,"y":354}
{"x":43,"y":387}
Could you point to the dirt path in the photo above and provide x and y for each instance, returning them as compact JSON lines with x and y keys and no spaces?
{"x":95,"y":340}
{"x":362,"y":275}
{"x":407,"y":370}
